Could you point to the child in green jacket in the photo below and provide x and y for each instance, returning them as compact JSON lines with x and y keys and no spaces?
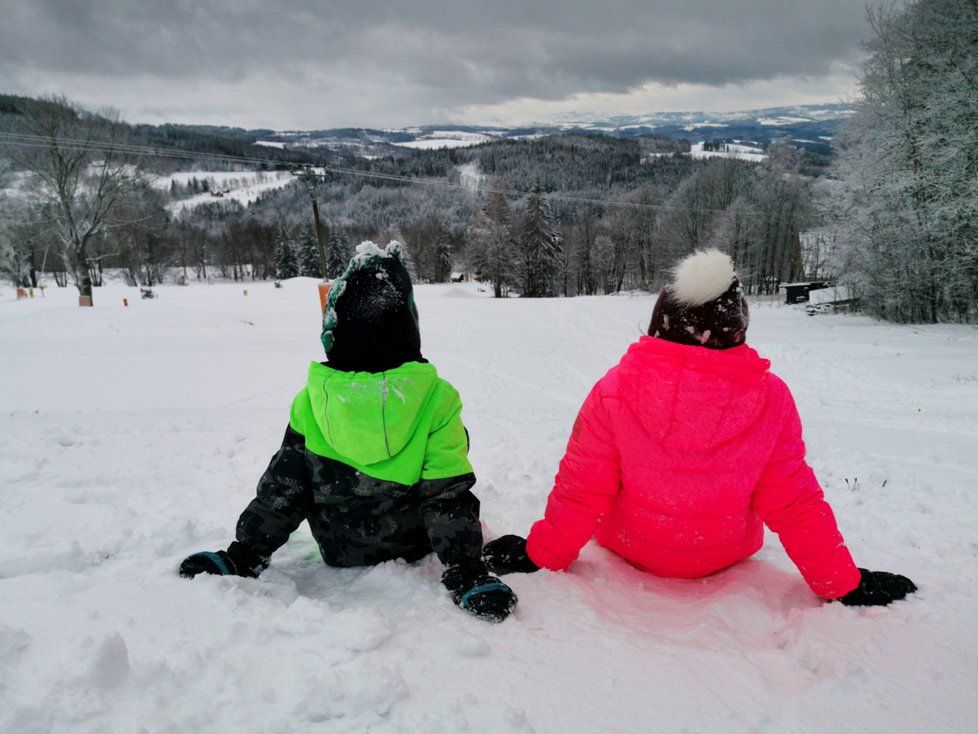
{"x":375,"y":455}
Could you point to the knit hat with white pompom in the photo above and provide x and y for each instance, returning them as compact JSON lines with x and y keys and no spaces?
{"x":703,"y":305}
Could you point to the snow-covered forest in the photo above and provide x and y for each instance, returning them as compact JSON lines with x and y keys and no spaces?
{"x":892,"y":218}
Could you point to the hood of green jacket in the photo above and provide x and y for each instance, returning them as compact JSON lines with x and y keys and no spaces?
{"x":370,"y":416}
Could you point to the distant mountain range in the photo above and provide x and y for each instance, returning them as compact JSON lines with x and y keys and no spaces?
{"x":769,"y":116}
{"x":810,"y":126}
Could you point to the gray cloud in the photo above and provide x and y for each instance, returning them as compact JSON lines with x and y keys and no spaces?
{"x":371,"y":62}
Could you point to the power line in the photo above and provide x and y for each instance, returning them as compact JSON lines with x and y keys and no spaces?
{"x":40,"y":141}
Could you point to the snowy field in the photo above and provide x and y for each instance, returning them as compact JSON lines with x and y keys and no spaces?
{"x":446,"y":139}
{"x":244,"y":187}
{"x":734,"y":150}
{"x":130,"y":438}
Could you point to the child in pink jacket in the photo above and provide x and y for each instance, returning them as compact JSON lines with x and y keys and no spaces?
{"x":685,"y":450}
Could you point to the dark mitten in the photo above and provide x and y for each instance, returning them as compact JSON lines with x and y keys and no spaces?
{"x":878,"y":588}
{"x":508,"y":555}
{"x":475,"y":591}
{"x":237,"y":560}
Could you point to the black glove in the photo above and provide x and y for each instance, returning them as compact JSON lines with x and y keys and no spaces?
{"x":475,"y":591}
{"x":237,"y":560}
{"x":508,"y":555}
{"x":878,"y":588}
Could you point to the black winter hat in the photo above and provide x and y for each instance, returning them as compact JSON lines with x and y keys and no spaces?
{"x":371,"y":323}
{"x":704,"y":305}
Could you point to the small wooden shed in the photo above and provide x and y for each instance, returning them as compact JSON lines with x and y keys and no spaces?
{"x":798,"y":292}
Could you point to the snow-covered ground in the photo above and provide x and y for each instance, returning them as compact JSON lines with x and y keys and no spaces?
{"x":734,"y":150}
{"x":447,"y":139}
{"x":130,"y":438}
{"x":782,"y":120}
{"x":241,"y":186}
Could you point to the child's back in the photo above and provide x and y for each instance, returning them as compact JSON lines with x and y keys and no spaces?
{"x":375,"y":456}
{"x":379,"y":450}
{"x":685,"y":449}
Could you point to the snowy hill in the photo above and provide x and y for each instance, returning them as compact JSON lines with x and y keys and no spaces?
{"x":221,"y":187}
{"x":131,"y":437}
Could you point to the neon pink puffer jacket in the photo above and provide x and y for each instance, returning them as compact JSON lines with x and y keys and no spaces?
{"x":677,"y":456}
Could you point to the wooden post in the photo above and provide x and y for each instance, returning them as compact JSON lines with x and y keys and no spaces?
{"x":21,"y":293}
{"x":85,"y":301}
{"x":309,"y":179}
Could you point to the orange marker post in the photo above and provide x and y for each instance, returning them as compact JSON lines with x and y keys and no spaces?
{"x":324,"y":289}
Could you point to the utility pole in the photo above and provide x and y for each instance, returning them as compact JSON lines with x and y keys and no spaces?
{"x":309,"y":179}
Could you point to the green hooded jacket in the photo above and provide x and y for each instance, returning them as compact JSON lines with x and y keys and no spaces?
{"x":402,"y":425}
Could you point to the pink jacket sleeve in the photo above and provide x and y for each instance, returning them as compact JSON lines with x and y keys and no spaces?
{"x":790,"y":501}
{"x":587,"y":481}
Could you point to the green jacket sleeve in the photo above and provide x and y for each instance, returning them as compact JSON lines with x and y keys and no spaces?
{"x":449,"y":510}
{"x":447,"y":451}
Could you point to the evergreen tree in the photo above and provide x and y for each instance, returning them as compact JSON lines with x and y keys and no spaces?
{"x":337,"y":254}
{"x":308,"y":253}
{"x":443,"y":260}
{"x":540,"y":249}
{"x":492,"y":253}
{"x":286,"y":263}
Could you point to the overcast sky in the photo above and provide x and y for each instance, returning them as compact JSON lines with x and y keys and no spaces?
{"x":308,"y":64}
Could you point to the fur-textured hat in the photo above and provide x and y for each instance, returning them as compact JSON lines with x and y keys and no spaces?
{"x":371,"y":323}
{"x":703,"y":305}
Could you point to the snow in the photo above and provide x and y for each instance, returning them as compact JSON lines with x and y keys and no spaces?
{"x":697,"y":125}
{"x":829,"y":295}
{"x":446,"y":139}
{"x":241,"y":186}
{"x":470,"y":176}
{"x":131,"y":437}
{"x":367,"y":251}
{"x":270,"y":143}
{"x":743,"y":152}
{"x":783,"y":120}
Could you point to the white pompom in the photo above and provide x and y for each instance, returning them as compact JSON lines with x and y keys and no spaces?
{"x":701,"y":277}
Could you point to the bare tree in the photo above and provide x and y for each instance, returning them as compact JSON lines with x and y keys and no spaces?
{"x":80,"y":172}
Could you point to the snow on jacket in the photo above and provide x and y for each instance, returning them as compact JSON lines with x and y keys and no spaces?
{"x":677,"y":459}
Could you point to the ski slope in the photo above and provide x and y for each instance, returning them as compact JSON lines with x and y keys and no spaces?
{"x":734,"y":150}
{"x":131,"y":437}
{"x":244,"y":187}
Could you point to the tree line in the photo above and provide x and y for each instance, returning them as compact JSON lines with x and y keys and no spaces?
{"x":93,"y":209}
